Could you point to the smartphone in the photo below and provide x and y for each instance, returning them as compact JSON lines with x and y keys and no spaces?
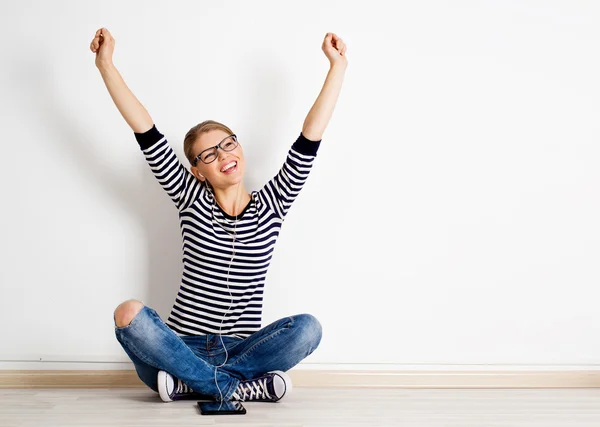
{"x":221,"y":408}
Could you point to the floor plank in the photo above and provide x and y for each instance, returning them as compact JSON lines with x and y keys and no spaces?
{"x":309,"y":407}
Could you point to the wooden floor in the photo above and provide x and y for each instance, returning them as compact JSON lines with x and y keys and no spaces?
{"x":309,"y":407}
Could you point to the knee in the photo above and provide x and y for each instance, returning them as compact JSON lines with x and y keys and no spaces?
{"x":126,"y":311}
{"x":311,"y":329}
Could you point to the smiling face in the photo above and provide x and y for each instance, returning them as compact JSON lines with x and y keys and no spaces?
{"x":217,"y":172}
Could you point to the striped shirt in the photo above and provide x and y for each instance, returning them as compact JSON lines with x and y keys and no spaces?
{"x":203,"y":304}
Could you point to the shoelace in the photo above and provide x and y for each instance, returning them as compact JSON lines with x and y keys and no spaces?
{"x":182,"y":387}
{"x":256,"y":389}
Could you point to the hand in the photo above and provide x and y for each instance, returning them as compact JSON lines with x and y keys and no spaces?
{"x":103,"y":45}
{"x":334,"y":49}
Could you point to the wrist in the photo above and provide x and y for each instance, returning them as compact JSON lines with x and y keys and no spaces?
{"x":338,"y":65}
{"x":105,"y":65}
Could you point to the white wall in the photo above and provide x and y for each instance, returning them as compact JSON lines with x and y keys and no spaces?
{"x":451,"y":217}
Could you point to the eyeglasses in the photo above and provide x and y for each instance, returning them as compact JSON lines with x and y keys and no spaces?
{"x":210,"y":154}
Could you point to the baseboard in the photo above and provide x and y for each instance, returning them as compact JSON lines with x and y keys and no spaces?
{"x":325,"y":379}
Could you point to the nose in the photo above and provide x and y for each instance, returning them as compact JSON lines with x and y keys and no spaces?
{"x":222,"y":154}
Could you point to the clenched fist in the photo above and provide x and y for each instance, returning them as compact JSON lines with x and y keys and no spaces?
{"x":334,"y":49}
{"x":103,"y":45}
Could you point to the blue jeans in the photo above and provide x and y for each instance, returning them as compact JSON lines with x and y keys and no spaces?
{"x":153,"y":346}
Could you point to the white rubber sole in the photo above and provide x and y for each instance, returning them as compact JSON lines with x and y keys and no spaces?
{"x":162,"y":380}
{"x":288,"y":383}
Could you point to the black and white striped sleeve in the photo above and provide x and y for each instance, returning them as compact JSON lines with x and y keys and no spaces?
{"x":179,"y":183}
{"x":281,"y":191}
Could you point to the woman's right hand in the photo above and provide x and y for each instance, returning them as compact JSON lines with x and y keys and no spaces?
{"x":103,"y":45}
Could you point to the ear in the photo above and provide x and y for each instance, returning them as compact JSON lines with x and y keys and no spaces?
{"x":195,"y":171}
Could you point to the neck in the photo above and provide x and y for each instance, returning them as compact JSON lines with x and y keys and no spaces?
{"x":232,"y":199}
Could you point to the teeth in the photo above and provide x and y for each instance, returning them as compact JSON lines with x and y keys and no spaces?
{"x":228,"y":166}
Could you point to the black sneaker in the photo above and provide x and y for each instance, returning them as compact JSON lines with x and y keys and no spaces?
{"x":271,"y":387}
{"x":171,"y":388}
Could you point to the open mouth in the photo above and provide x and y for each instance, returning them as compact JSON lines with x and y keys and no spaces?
{"x":230,"y":168}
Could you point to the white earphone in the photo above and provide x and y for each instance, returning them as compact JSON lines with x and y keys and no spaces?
{"x":234,"y":235}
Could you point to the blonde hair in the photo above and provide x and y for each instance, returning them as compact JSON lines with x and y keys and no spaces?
{"x":194,"y":133}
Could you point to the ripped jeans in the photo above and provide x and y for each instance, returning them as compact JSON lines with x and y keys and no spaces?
{"x":153,"y":346}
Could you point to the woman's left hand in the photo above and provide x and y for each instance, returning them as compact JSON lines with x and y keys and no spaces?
{"x":335,"y":49}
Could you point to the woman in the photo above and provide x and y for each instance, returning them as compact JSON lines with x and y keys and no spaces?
{"x":212,"y":344}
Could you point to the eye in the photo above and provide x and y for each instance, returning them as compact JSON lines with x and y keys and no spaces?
{"x":208,"y":156}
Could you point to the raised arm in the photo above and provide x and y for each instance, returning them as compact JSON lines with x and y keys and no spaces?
{"x":131,"y":109}
{"x":318,"y":117}
{"x":281,"y":191}
{"x":181,"y":186}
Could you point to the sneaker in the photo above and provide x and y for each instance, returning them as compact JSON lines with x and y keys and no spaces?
{"x":171,"y":388}
{"x":271,"y":387}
